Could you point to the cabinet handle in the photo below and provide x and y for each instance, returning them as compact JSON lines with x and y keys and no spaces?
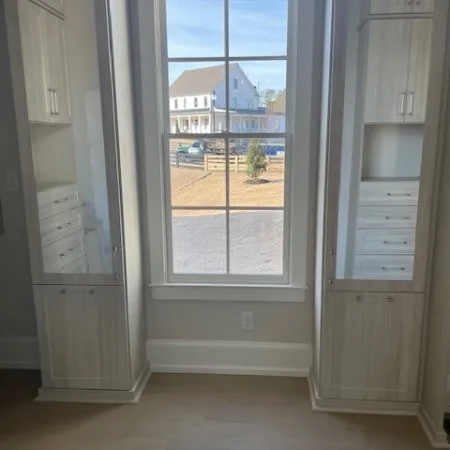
{"x":387,"y":269}
{"x":70,"y":250}
{"x":406,"y":218}
{"x":395,"y":242}
{"x":388,"y":217}
{"x":55,"y":93}
{"x":411,"y":96}
{"x":66,"y":225}
{"x":52,"y":108}
{"x":402,"y":103}
{"x":62,"y":200}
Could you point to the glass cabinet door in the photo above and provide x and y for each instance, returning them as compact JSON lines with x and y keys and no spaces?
{"x":384,"y":97}
{"x":67,"y":122}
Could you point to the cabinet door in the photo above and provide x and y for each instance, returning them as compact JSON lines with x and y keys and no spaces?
{"x":387,"y":70}
{"x":82,"y":337}
{"x":57,"y":67}
{"x":371,"y":346}
{"x":423,"y":6}
{"x":32,"y":21}
{"x":390,"y":6}
{"x":57,"y":5}
{"x":419,"y":67}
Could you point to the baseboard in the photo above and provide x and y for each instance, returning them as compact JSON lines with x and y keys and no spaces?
{"x":384,"y":408}
{"x":229,"y":357}
{"x":19,"y":353}
{"x":96,"y":396}
{"x":437,"y":438}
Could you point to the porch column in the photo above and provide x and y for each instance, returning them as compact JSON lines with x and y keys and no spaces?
{"x":199,"y":130}
{"x":189,"y":124}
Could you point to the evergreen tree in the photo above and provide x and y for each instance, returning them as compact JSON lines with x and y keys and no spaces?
{"x":256,"y":159}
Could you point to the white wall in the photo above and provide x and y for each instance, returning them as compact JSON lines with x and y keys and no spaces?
{"x":17,"y":316}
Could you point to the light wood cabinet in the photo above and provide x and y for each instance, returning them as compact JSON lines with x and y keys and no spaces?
{"x":398,"y":70}
{"x":371,"y":346}
{"x":401,"y":6}
{"x":387,"y":70}
{"x":45,"y":64}
{"x":83,"y":337}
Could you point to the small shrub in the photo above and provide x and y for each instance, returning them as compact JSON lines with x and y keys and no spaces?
{"x":256,"y":159}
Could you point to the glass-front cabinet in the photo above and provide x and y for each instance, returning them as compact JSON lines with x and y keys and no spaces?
{"x":75,"y":231}
{"x":383,"y":142}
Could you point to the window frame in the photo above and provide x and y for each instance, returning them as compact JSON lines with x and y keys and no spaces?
{"x":303,"y":56}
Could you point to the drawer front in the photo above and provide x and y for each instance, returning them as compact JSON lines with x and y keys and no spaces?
{"x":62,"y":253}
{"x":369,"y":267}
{"x":389,"y":193}
{"x":387,"y":216}
{"x":387,"y":242}
{"x":78,"y":266}
{"x":60,"y":226}
{"x":57,"y":201}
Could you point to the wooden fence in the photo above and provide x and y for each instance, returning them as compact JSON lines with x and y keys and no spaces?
{"x":238,"y":163}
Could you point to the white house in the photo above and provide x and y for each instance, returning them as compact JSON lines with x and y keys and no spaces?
{"x":198,"y":102}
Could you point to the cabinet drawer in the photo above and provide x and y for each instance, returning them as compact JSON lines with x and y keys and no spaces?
{"x":387,"y":216}
{"x":79,"y":266}
{"x":383,"y":267}
{"x":387,"y":242}
{"x":389,"y":193}
{"x":60,"y":254}
{"x":58,"y":227}
{"x":57,"y":200}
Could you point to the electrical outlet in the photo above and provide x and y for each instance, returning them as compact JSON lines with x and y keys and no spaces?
{"x":247,"y":321}
{"x":12,"y":182}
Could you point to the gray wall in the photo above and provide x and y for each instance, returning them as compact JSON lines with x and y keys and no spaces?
{"x":17,"y":316}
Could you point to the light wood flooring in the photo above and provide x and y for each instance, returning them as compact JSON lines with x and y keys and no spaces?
{"x":196,"y":412}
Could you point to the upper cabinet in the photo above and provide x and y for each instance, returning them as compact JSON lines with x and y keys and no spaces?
{"x":45,"y":64}
{"x":401,"y":6}
{"x":397,"y":70}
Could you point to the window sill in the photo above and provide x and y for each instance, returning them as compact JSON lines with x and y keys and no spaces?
{"x":229,"y":293}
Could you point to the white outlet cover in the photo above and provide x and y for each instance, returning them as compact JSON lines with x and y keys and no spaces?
{"x":247,"y":321}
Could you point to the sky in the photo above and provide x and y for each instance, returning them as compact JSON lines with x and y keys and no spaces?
{"x":195,"y":28}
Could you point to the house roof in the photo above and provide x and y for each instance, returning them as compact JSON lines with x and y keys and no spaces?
{"x":198,"y":81}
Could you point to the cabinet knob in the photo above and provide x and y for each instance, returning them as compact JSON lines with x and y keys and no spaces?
{"x":331,"y":252}
{"x":359,"y":299}
{"x":115,"y":249}
{"x":117,"y":276}
{"x":390,"y":299}
{"x":62,"y":291}
{"x":91,"y":292}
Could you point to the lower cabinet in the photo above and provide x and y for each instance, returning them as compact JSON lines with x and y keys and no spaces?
{"x":83,"y":337}
{"x":371,"y":346}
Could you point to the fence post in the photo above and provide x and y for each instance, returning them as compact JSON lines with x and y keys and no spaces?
{"x":177,"y":159}
{"x":236,"y":161}
{"x":206,"y":163}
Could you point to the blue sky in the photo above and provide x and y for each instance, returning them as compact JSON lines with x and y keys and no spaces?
{"x":195,"y":28}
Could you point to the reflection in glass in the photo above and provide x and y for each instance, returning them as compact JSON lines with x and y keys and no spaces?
{"x":199,"y":242}
{"x":382,"y":146}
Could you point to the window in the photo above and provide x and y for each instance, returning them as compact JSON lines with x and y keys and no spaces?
{"x":205,"y":102}
{"x":217,"y":224}
{"x":195,"y":102}
{"x":235,"y":83}
{"x":175,"y":103}
{"x":250,"y":104}
{"x":185,"y":103}
{"x":253,"y":124}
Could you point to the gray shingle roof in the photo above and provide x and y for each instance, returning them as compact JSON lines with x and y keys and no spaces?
{"x":198,"y":81}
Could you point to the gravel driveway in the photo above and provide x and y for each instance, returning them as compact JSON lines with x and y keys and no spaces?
{"x":256,"y":243}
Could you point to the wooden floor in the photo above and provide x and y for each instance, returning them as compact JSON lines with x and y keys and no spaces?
{"x":196,"y":412}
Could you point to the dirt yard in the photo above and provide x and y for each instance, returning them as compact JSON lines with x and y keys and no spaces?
{"x":195,"y":187}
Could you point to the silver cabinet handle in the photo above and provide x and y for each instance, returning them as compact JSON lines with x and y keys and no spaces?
{"x":70,"y":250}
{"x":55,"y":93}
{"x":66,"y":225}
{"x":52,"y":107}
{"x":402,"y":103}
{"x":411,"y":96}
{"x":62,"y":200}
{"x":384,"y":268}
{"x":395,"y":242}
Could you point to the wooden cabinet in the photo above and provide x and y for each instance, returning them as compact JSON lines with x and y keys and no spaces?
{"x":45,"y":64}
{"x":398,"y":70}
{"x":371,"y":345}
{"x":83,"y":337}
{"x":387,"y":70}
{"x":401,"y":6}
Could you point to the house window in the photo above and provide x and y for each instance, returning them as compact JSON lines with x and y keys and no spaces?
{"x":250,"y":104}
{"x":205,"y":102}
{"x":218,"y":224}
{"x":195,"y":102}
{"x":175,"y":103}
{"x":185,"y":103}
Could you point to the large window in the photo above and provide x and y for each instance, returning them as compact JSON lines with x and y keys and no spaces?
{"x":226,"y":188}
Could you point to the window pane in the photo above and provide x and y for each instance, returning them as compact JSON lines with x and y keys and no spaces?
{"x":197,"y":97}
{"x":195,"y":28}
{"x":257,"y":172}
{"x":197,"y":172}
{"x":199,"y":242}
{"x":258,"y":27}
{"x":256,"y":242}
{"x":257,"y":97}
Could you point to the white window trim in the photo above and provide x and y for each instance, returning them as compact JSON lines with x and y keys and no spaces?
{"x":151,"y":74}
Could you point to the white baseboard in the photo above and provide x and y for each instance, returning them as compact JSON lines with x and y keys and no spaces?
{"x":229,"y":357}
{"x":19,"y":353}
{"x":437,"y":438}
